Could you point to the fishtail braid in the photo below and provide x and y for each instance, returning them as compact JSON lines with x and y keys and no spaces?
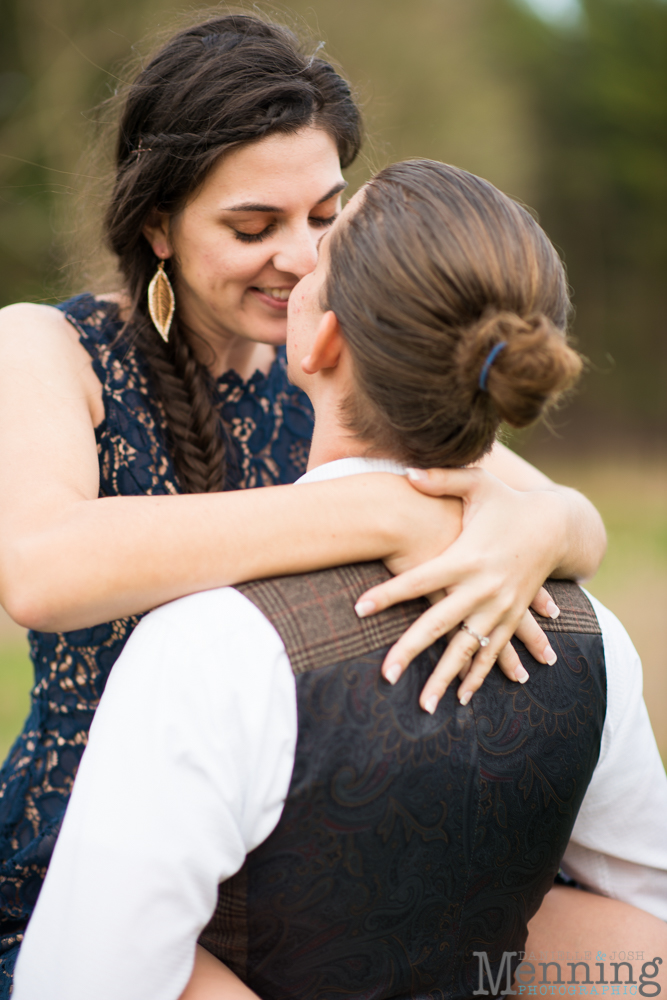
{"x":183,"y":386}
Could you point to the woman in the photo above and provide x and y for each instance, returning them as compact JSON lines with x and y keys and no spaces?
{"x":107,"y":419}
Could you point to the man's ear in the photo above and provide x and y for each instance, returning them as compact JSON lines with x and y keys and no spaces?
{"x":327,"y":346}
{"x":156,"y":231}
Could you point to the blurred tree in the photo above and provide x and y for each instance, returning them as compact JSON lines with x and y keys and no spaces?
{"x":432,"y":84}
{"x":33,"y":171}
{"x":570,"y":117}
{"x":428,"y":84}
{"x":599,"y":90}
{"x":58,"y":61}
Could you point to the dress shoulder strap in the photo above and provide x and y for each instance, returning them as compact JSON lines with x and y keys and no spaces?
{"x":98,"y":324}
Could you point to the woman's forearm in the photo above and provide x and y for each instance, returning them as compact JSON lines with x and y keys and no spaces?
{"x":69,"y":560}
{"x":578,"y":532}
{"x":584,"y":536}
{"x":108,"y":558}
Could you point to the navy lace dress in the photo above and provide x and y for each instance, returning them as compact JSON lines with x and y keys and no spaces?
{"x":269,"y":426}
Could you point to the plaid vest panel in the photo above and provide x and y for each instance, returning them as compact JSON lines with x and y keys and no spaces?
{"x":408,"y":841}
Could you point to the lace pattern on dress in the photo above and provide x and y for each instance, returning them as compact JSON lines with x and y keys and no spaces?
{"x":268,"y":425}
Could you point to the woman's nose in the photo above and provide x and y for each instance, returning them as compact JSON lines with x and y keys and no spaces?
{"x":297,"y":253}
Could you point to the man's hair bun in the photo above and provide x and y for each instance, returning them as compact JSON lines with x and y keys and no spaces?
{"x":433,"y":270}
{"x":535,"y":366}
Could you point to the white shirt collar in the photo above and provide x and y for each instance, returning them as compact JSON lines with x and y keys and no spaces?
{"x":352,"y":467}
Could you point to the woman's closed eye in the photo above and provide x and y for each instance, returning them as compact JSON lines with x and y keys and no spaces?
{"x":246,"y":237}
{"x":322,"y":223}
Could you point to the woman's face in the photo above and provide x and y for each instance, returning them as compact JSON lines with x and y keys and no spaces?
{"x":250,"y":233}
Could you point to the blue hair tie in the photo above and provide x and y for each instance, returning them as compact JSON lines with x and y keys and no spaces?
{"x":484,"y":374}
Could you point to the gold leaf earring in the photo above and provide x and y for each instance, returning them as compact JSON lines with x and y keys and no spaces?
{"x":161,"y":301}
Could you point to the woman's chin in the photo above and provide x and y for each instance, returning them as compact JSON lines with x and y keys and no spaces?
{"x":266,"y":326}
{"x":274,"y":334}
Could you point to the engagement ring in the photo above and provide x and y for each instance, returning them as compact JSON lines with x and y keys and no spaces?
{"x":483,"y":640}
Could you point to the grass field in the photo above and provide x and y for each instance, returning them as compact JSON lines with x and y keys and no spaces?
{"x":632,"y":582}
{"x":15,"y":683}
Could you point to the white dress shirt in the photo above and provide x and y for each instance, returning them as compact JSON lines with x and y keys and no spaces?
{"x":187,"y":769}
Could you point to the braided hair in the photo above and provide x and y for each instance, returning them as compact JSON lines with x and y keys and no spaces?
{"x":231,"y":80}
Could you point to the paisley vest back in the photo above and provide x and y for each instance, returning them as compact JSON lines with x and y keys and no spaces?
{"x":408,"y":841}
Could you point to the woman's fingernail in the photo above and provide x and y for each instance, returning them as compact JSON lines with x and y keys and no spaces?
{"x":364,"y":608}
{"x":552,"y":609}
{"x":465,"y":698}
{"x":393,"y":672}
{"x":431,"y":704}
{"x":549,"y":655}
{"x":521,"y":675}
{"x":417,"y":474}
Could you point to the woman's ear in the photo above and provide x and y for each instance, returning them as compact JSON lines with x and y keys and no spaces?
{"x":327,"y":346}
{"x":156,"y":231}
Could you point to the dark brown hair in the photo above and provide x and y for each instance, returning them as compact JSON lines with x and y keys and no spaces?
{"x":433,"y":270}
{"x":232,"y":80}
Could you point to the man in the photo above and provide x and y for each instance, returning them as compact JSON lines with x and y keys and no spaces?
{"x":362,"y":847}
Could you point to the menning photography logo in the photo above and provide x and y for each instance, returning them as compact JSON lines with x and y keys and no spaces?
{"x":566,"y":978}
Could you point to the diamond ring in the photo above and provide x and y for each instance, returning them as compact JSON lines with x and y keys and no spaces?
{"x":483,"y":640}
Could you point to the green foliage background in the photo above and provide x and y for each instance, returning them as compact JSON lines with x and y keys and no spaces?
{"x":571,"y":118}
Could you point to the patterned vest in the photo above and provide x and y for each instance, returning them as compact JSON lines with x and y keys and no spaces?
{"x":408,"y":841}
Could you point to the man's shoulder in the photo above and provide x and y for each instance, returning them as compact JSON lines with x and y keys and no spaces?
{"x":216,"y":621}
{"x":218,"y":605}
{"x":315,"y":617}
{"x":623,"y":663}
{"x":577,"y":613}
{"x":199,"y":651}
{"x":611,"y":627}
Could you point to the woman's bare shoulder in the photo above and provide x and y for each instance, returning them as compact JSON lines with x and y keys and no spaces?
{"x":39,"y":341}
{"x":33,"y":321}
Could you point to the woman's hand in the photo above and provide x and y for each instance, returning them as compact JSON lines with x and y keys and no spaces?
{"x":510,"y":543}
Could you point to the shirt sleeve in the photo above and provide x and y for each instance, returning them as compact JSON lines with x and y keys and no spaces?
{"x":619,"y":845}
{"x":188,"y":765}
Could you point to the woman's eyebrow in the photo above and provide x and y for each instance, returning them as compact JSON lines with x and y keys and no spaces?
{"x":336,"y":189}
{"x":253,"y":207}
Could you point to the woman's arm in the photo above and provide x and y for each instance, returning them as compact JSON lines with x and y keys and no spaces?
{"x":583,"y":540}
{"x":69,"y":560}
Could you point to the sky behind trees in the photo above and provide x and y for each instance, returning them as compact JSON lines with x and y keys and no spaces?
{"x":557,"y":11}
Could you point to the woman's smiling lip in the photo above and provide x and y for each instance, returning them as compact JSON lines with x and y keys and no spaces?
{"x":276,"y":297}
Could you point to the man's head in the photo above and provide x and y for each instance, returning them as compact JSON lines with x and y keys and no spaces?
{"x":427,"y":270}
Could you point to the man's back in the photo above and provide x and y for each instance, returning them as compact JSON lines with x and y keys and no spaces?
{"x":407,"y":841}
{"x":199,"y":768}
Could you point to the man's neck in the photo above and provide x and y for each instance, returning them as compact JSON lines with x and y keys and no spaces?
{"x":332,"y":440}
{"x":329,"y":447}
